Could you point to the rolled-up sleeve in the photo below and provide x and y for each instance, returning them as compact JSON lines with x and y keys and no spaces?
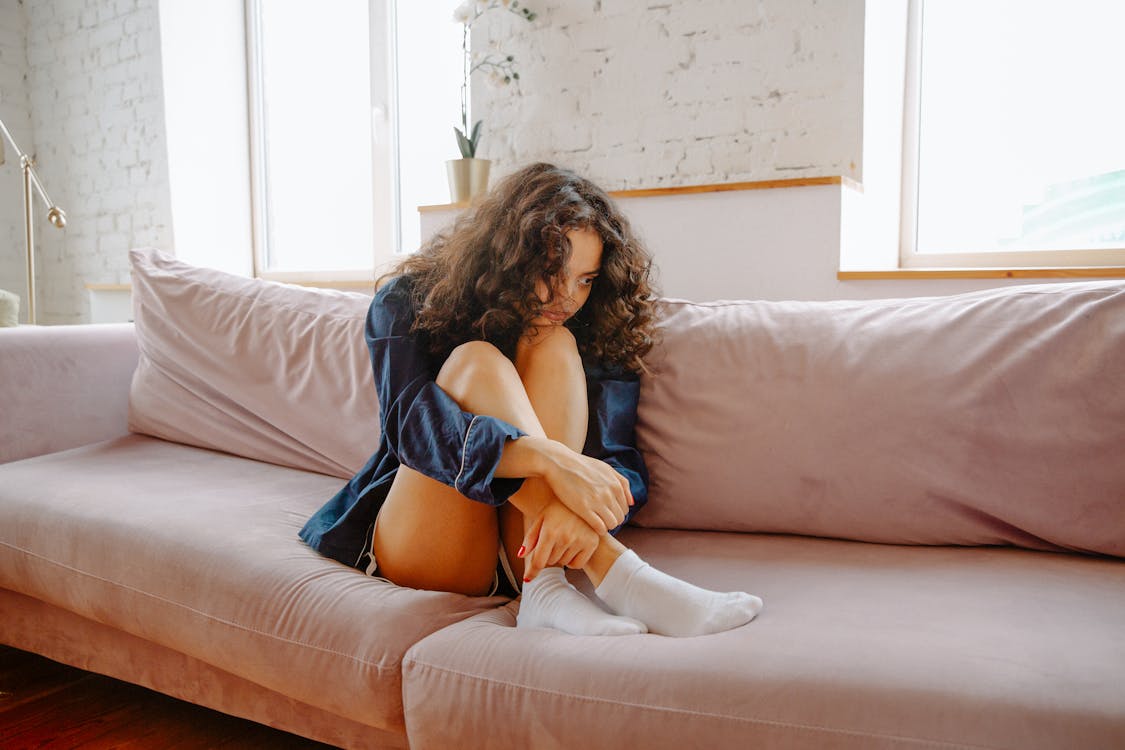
{"x":611,"y":433}
{"x":423,"y":426}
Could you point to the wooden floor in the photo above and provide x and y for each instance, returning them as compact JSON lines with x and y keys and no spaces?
{"x":44,"y":704}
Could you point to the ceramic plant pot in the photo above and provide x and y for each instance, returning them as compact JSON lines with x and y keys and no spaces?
{"x":468,"y":178}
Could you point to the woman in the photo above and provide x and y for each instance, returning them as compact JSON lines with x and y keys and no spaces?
{"x":506,"y":356}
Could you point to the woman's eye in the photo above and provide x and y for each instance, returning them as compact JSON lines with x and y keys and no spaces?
{"x":589,"y":280}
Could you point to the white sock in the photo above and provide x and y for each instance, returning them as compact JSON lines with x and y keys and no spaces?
{"x":670,"y":606}
{"x":550,"y":601}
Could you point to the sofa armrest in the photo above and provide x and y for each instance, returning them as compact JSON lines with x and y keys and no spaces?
{"x":63,"y":386}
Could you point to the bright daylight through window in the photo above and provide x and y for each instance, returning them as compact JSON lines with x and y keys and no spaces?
{"x":1020,"y":154}
{"x":324,"y":183}
{"x":354,"y":107}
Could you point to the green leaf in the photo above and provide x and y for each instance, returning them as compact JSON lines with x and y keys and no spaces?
{"x":467,"y":147}
{"x":475,"y":137}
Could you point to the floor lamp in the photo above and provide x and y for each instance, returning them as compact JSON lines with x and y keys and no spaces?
{"x":55,"y":215}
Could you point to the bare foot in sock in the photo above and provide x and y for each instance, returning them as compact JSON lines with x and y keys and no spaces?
{"x":550,"y":601}
{"x":669,"y":606}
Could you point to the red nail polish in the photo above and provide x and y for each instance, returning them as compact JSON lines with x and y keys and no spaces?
{"x":526,"y":579}
{"x":521,"y":551}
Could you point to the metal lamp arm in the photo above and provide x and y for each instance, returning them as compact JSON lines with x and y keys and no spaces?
{"x":26,"y":162}
{"x":55,"y":215}
{"x":35,"y":181}
{"x":8,"y":135}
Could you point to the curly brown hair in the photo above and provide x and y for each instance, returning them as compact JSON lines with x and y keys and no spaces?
{"x":477,"y":280}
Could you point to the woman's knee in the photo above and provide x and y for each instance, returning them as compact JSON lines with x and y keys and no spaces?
{"x":554,"y":347}
{"x":471,"y":363}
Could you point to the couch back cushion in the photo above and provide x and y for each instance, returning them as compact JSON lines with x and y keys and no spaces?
{"x":269,"y":371}
{"x":994,"y":417}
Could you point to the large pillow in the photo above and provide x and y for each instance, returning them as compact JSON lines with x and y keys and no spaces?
{"x":270,"y":371}
{"x":995,"y":417}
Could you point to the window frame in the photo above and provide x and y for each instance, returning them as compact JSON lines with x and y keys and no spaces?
{"x":909,"y":257}
{"x":384,"y":103}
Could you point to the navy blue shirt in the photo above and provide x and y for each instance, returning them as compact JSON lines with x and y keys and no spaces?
{"x":425,"y":429}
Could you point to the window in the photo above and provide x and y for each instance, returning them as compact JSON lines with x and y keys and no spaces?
{"x":1013,"y":151}
{"x":429,"y":105}
{"x":322,"y":137}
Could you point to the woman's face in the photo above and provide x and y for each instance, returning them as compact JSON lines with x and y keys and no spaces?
{"x":572,"y":288}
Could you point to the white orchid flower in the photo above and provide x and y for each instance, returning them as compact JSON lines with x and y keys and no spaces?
{"x":465,"y":12}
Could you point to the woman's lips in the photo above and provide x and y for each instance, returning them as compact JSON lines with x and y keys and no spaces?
{"x":555,"y":315}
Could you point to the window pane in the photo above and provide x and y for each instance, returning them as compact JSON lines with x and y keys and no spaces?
{"x":1022,"y":112}
{"x":316,"y":91}
{"x":429,"y":105}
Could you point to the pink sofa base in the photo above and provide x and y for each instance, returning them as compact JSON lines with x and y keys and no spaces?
{"x":860,"y":647}
{"x":997,"y":435}
{"x":33,"y":625}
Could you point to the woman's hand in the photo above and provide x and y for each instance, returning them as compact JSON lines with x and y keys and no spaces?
{"x":557,"y":537}
{"x":590,"y":488}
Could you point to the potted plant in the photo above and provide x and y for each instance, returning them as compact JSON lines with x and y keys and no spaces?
{"x":468,"y":176}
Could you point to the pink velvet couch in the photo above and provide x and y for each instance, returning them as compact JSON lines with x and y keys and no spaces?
{"x":928,"y":494}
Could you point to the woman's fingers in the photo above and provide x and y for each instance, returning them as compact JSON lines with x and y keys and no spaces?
{"x":618,"y":495}
{"x":581,"y":559}
{"x":558,"y":536}
{"x":593,"y":490}
{"x":617,"y":505}
{"x":531,"y":538}
{"x":530,"y":543}
{"x":609,"y":519}
{"x":540,"y":558}
{"x":628,"y":492}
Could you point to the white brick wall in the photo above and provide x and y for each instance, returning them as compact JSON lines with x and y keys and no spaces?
{"x":97,"y":122}
{"x":633,"y":94}
{"x":665,"y":93}
{"x":15,"y":111}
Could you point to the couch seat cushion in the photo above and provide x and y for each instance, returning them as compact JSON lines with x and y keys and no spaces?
{"x":197,"y":551}
{"x":859,"y":646}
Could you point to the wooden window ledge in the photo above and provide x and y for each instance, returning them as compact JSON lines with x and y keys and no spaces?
{"x":1076,"y":272}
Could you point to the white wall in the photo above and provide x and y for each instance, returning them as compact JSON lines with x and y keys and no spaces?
{"x":674,"y":93}
{"x":775,"y":244}
{"x":15,"y":111}
{"x":642,"y":95}
{"x":631,"y":94}
{"x":97,"y":129}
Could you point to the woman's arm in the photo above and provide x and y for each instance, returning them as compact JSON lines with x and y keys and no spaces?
{"x":483,"y":457}
{"x":587,"y":486}
{"x":556,"y":535}
{"x":424,"y":427}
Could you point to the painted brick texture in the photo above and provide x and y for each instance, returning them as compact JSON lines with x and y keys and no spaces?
{"x":15,"y":111}
{"x":634,"y":94}
{"x":97,"y":122}
{"x":655,"y":94}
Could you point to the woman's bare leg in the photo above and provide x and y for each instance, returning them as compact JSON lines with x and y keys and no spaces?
{"x":429,"y":535}
{"x":551,"y":371}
